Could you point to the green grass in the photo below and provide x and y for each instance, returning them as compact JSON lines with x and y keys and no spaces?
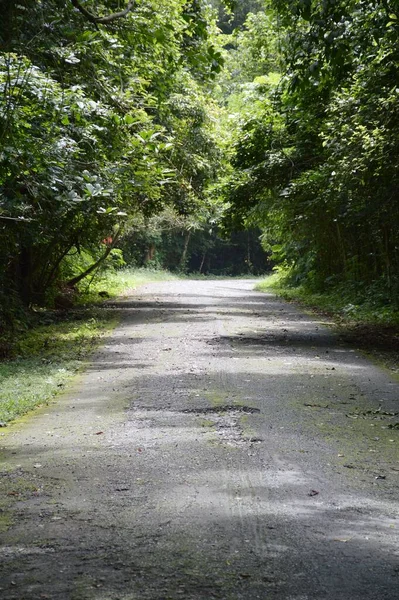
{"x":119,"y":283}
{"x":343,"y":303}
{"x":46,"y":356}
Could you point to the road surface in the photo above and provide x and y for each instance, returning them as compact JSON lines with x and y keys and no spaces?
{"x":221,"y":444}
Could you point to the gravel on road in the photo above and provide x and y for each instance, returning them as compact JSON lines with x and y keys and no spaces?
{"x":221,"y":444}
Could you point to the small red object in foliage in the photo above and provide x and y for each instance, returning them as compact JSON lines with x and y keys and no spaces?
{"x":107,"y":241}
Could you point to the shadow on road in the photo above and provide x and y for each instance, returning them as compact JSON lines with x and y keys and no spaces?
{"x":201,"y":460}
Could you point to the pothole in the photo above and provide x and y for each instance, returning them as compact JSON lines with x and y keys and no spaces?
{"x":226,"y":422}
{"x":223,"y":408}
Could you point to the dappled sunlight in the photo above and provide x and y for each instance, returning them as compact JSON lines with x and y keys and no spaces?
{"x":184,"y":435}
{"x":215,"y":494}
{"x":211,"y":449}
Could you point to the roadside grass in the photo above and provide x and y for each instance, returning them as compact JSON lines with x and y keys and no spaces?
{"x":343,"y":303}
{"x":56,"y":347}
{"x":48,"y":356}
{"x":119,"y":283}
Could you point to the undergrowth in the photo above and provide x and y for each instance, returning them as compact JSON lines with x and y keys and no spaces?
{"x":44,"y":357}
{"x":118,"y":283}
{"x":346,"y":303}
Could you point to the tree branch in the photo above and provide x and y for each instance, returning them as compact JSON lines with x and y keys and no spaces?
{"x":95,"y":265}
{"x":20,"y":219}
{"x":102,"y":20}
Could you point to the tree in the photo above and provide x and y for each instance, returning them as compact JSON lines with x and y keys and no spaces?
{"x":88,"y":141}
{"x":317,"y":165}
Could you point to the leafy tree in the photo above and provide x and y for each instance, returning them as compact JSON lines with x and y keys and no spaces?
{"x":316,"y":162}
{"x":90,"y":135}
{"x":233,"y":14}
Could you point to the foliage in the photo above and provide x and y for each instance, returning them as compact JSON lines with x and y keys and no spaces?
{"x":117,"y":121}
{"x":315,"y":164}
{"x":232,"y":15}
{"x":188,"y":244}
{"x":348,"y":304}
{"x":94,"y":119}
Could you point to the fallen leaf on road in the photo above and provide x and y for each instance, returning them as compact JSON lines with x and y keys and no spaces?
{"x":313,"y":493}
{"x":99,"y":433}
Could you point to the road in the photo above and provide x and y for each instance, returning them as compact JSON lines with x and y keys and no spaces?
{"x":221,"y":444}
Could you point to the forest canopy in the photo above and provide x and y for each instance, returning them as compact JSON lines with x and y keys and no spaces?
{"x":161,"y":128}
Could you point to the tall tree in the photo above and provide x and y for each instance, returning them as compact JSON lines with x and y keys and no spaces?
{"x":85,"y":136}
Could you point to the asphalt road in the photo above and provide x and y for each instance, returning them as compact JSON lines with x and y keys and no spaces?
{"x":221,"y":444}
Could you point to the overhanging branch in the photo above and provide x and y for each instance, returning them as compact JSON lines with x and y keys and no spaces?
{"x":95,"y":265}
{"x":102,"y":20}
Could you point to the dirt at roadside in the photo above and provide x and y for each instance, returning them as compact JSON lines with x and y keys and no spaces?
{"x":379,"y":341}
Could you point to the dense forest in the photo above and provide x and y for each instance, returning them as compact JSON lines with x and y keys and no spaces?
{"x":214,"y":137}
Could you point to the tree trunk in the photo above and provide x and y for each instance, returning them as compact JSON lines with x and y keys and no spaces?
{"x":202,"y":262}
{"x":24,"y":275}
{"x":150,"y":253}
{"x":185,"y":249}
{"x":249,"y":264}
